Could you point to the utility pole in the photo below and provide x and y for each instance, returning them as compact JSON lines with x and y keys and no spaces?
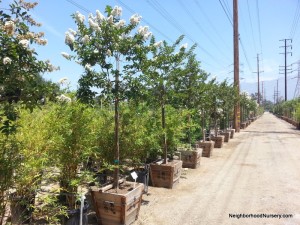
{"x":285,"y":64}
{"x":297,"y":89}
{"x":262,"y":92}
{"x":258,"y":71}
{"x":236,"y":65}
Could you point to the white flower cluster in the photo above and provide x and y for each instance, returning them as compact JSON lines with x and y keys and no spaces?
{"x":69,"y":39}
{"x":85,"y":39}
{"x":63,"y":98}
{"x":108,"y":53}
{"x":9,"y":27}
{"x":79,"y":17}
{"x":63,"y":80}
{"x":184,"y":46}
{"x":94,"y":25}
{"x":7,"y":60}
{"x":157,"y":44}
{"x":99,"y":16}
{"x":88,"y":67}
{"x":24,"y":43}
{"x":135,"y":19}
{"x":120,"y":24}
{"x":66,"y":55}
{"x":117,"y":11}
{"x":144,"y":31}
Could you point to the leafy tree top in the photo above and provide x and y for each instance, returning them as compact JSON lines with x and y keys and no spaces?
{"x":107,"y":46}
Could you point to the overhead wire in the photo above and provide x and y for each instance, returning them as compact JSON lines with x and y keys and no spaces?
{"x":211,"y":24}
{"x":168,"y":17}
{"x":225,"y":11}
{"x":189,"y":13}
{"x":258,"y":20}
{"x":295,"y":21}
{"x":251,"y":25}
{"x":143,"y":19}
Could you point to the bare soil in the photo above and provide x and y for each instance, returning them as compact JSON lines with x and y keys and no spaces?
{"x":257,"y":172}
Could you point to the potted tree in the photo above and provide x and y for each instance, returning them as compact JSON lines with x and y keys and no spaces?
{"x":111,"y":52}
{"x":160,"y":74}
{"x":190,"y":88}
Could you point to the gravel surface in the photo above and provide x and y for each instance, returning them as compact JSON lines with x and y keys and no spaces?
{"x":257,"y":172}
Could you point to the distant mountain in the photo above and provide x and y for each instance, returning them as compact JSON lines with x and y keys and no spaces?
{"x":270,"y":86}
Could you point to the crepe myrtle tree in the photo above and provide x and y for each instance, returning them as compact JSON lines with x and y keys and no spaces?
{"x":111,"y":51}
{"x":190,"y":88}
{"x":20,"y":71}
{"x":20,"y":68}
{"x":160,"y":73}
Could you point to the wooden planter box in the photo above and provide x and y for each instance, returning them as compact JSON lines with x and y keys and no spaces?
{"x":226,"y":135}
{"x":120,"y":208}
{"x":191,"y":158}
{"x":166,"y":175}
{"x":232,"y":131}
{"x":207,"y":147}
{"x":243,"y":125}
{"x":219,"y":140}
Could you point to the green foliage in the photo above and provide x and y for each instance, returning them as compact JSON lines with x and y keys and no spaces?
{"x":69,"y":144}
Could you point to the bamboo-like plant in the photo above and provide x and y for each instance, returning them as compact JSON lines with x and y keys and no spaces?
{"x":111,"y":52}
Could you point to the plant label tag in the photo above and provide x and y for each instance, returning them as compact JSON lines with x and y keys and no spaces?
{"x":134,"y":175}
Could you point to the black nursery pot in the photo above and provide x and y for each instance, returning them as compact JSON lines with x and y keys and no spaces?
{"x":74,"y":216}
{"x":21,"y":208}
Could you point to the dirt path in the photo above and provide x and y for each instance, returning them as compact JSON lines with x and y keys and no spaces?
{"x":257,"y":172}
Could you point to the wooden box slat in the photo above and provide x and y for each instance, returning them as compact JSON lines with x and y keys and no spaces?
{"x":166,"y":175}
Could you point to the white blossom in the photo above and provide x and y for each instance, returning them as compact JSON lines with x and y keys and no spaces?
{"x":63,"y":80}
{"x":24,"y":43}
{"x":99,"y":16}
{"x":96,"y":51}
{"x":88,"y":67}
{"x":157,"y":44}
{"x":63,"y":98}
{"x":184,"y":46}
{"x":85,"y":39}
{"x":79,"y":17}
{"x":30,"y":35}
{"x":9,"y":27}
{"x":91,"y":16}
{"x":110,"y":19}
{"x":69,"y":40}
{"x":143,"y":30}
{"x":135,"y":19}
{"x":94,"y":25}
{"x":108,"y":52}
{"x":66,"y":55}
{"x":73,"y":32}
{"x":147,"y":35}
{"x":7,"y":60}
{"x":117,"y":11}
{"x":120,"y":24}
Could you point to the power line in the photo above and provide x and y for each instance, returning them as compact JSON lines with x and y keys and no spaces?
{"x":188,"y":12}
{"x":295,"y":21}
{"x":79,"y":6}
{"x":258,"y":20}
{"x":164,"y":13}
{"x":228,"y":17}
{"x":251,"y":25}
{"x":147,"y":22}
{"x":211,"y":24}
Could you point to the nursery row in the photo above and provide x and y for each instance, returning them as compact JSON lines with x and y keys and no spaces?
{"x":138,"y":101}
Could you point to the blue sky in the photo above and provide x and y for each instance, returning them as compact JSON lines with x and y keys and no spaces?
{"x":262,"y":23}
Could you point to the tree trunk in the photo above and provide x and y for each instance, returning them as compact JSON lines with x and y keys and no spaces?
{"x":163,"y":122}
{"x":117,"y":147}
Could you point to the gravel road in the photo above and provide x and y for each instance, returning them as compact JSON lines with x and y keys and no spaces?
{"x":257,"y":172}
